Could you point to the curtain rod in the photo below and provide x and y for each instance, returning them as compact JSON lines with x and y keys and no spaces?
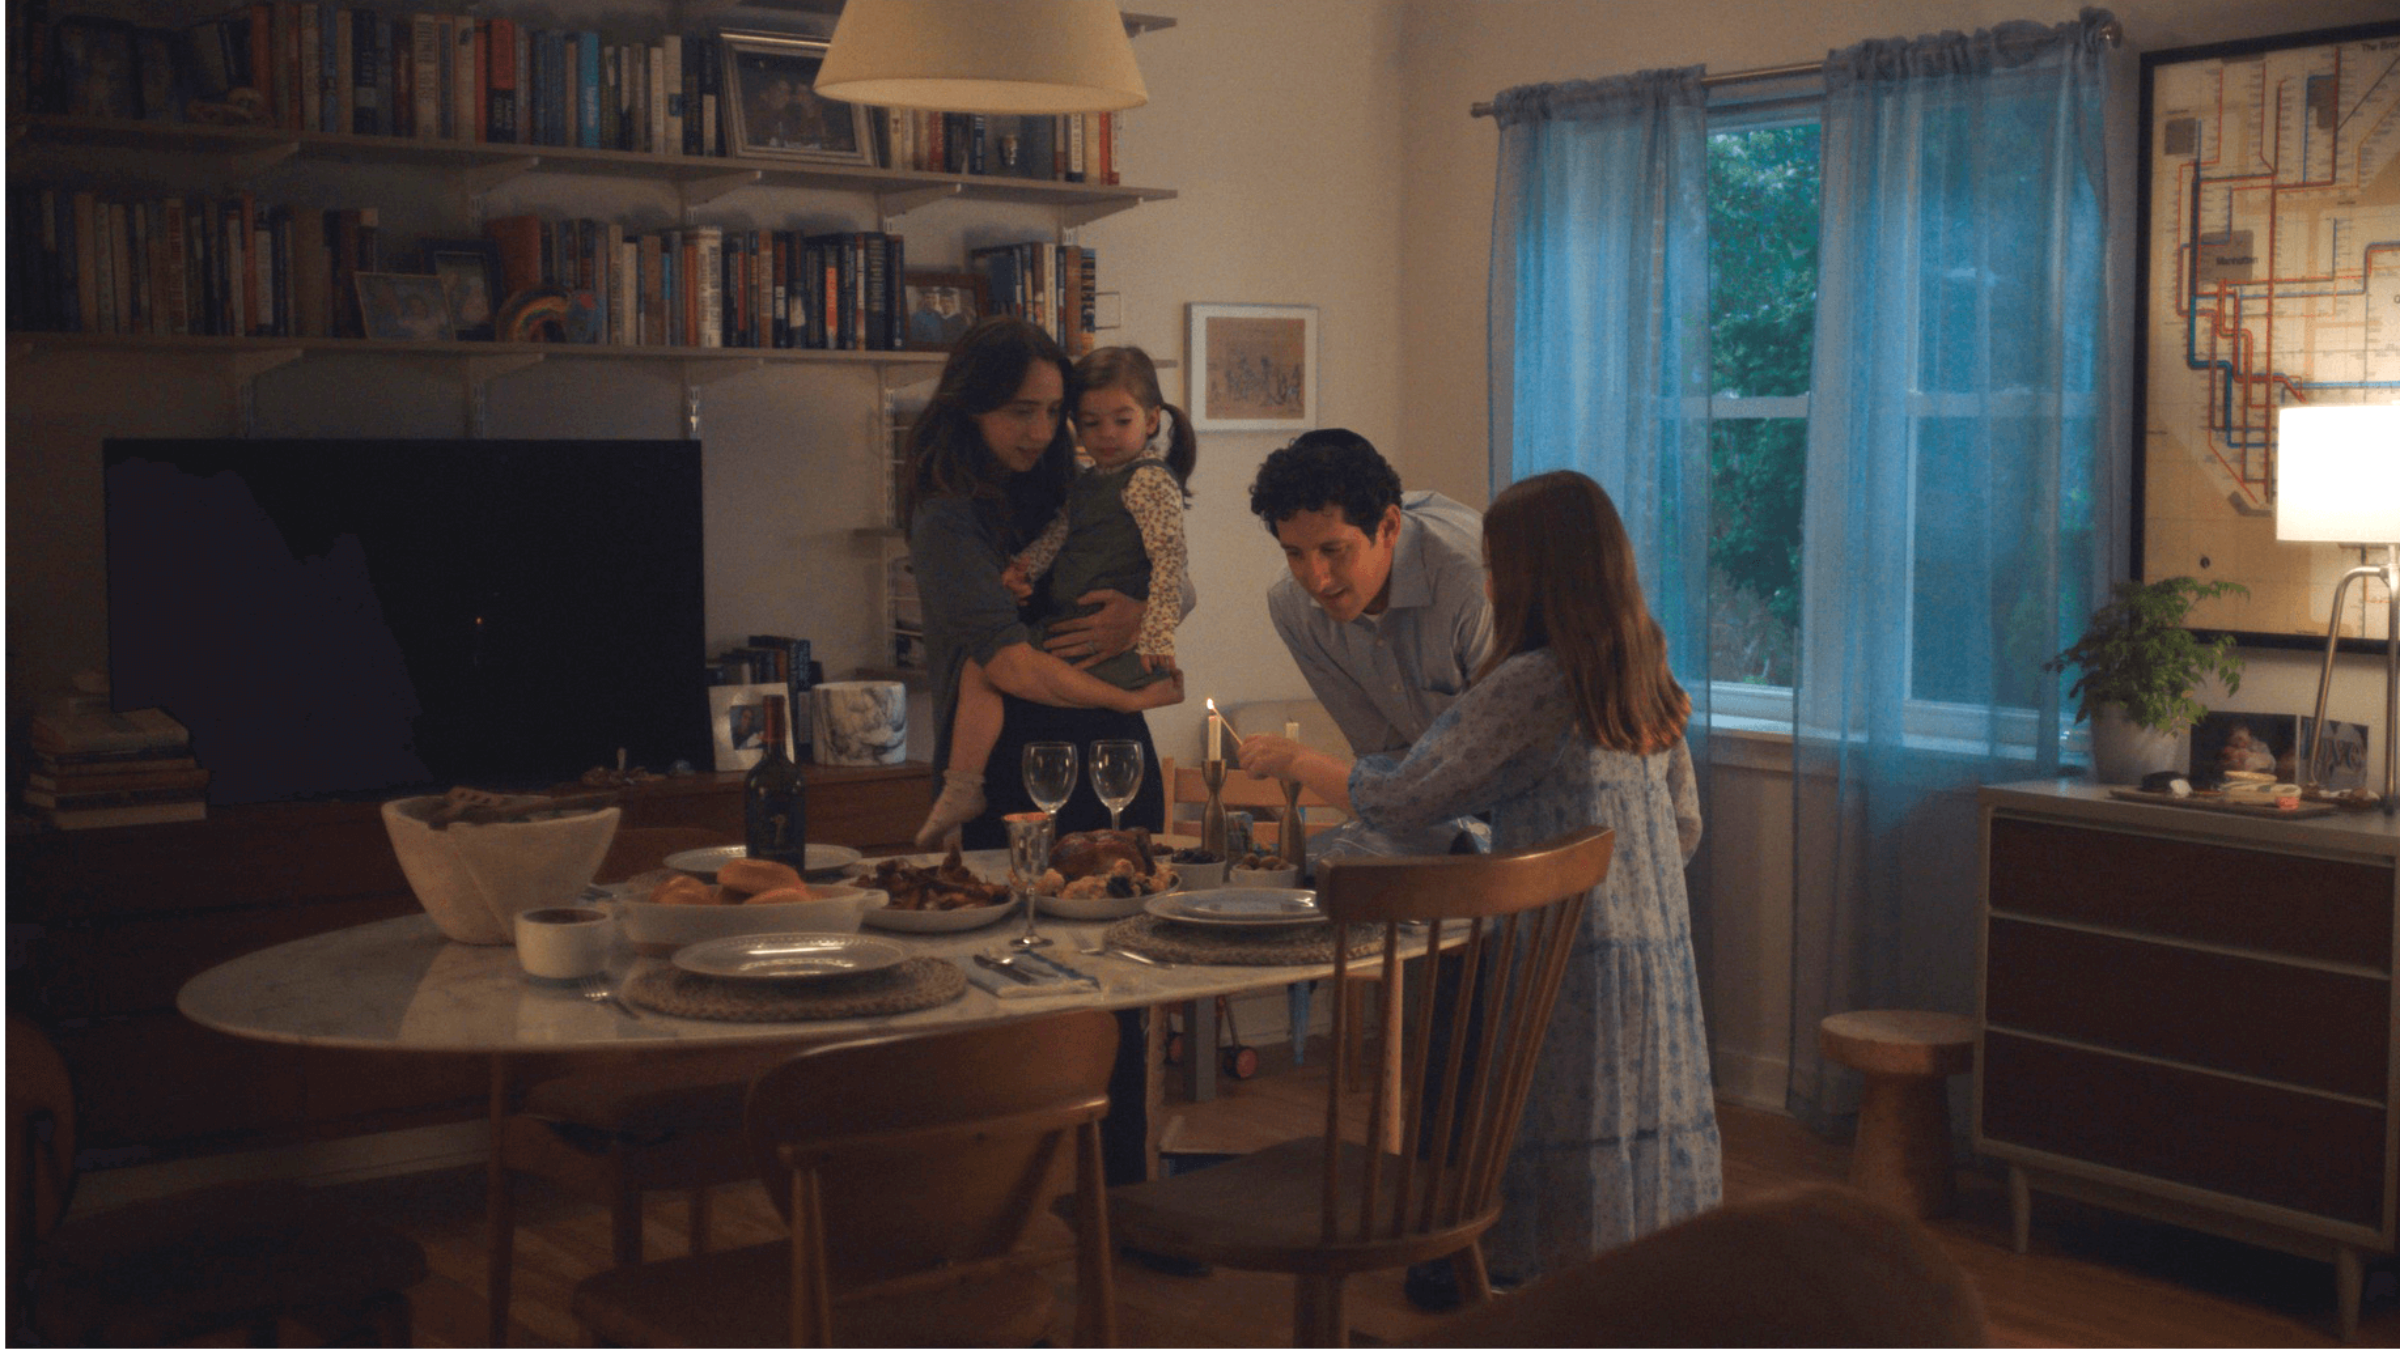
{"x":2112,"y":32}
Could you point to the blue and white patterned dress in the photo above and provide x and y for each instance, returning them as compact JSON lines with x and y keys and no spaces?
{"x":1620,"y":1130}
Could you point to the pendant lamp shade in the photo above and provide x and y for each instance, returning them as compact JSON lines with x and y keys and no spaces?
{"x":987,"y":56}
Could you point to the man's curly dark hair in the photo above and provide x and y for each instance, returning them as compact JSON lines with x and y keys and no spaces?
{"x":1327,"y":467}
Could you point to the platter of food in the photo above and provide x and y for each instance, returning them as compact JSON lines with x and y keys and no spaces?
{"x":934,"y":893}
{"x":666,"y":909}
{"x":1240,"y":907}
{"x":789,"y":956}
{"x":826,"y":862}
{"x":1104,"y":874}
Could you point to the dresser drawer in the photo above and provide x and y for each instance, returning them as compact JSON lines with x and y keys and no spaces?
{"x":2281,"y":903}
{"x":2280,"y":1147}
{"x":2317,"y":1028}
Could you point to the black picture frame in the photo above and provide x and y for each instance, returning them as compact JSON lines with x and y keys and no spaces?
{"x":939,"y":307}
{"x":404,"y":307}
{"x":2218,"y":525}
{"x":471,"y":281}
{"x":772,"y":109}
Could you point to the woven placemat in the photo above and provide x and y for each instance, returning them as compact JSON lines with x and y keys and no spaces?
{"x":1304,"y":945}
{"x":919,"y":982}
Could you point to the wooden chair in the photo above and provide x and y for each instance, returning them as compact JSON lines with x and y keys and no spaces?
{"x":615,"y":1130}
{"x":207,"y":1263}
{"x":1442,"y":1123}
{"x":1822,"y":1265}
{"x":914,"y":1173}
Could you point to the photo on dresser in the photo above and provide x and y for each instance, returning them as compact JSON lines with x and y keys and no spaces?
{"x":737,"y":722}
{"x":2277,"y":743}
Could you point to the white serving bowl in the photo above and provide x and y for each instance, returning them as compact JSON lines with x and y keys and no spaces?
{"x":475,"y":879}
{"x":656,"y":930}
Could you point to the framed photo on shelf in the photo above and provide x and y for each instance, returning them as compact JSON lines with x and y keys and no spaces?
{"x":737,"y":722}
{"x":404,"y":306}
{"x":469,"y":270}
{"x":2254,"y":283}
{"x":1253,"y":367}
{"x":772,"y":108}
{"x":95,"y":68}
{"x":942,"y":306}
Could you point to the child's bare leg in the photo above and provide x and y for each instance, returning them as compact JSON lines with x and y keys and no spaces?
{"x":974,"y":730}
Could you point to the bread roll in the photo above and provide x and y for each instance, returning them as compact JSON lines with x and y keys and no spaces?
{"x":752,"y":875}
{"x":781,"y":895}
{"x":682,"y":890}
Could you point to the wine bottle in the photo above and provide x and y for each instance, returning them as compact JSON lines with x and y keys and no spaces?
{"x":775,"y":799}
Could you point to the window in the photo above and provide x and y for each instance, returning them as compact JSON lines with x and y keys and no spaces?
{"x":1762,"y":222}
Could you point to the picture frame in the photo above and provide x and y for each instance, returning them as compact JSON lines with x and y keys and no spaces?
{"x":471,"y":284}
{"x":95,"y":69}
{"x":1252,"y":367}
{"x":2276,"y":743}
{"x":404,"y":307}
{"x":939,"y":307}
{"x":737,"y":720}
{"x":772,"y":109}
{"x":2222,"y":340}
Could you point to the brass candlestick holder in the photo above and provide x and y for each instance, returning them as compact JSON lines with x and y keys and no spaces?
{"x":1295,"y":835}
{"x":1212,"y":816}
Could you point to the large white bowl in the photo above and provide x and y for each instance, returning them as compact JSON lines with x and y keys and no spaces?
{"x":656,"y":930}
{"x":475,"y":879}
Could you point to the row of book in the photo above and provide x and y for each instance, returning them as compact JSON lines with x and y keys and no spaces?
{"x":93,"y":768}
{"x":714,"y":286}
{"x":1053,"y":286}
{"x":302,"y":65}
{"x":229,"y":266}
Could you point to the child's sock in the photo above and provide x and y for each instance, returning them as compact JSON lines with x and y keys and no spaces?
{"x":960,"y":802}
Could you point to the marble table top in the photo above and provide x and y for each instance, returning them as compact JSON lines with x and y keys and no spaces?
{"x":400,"y":985}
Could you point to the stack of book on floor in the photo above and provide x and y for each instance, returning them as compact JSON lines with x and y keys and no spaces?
{"x":99,"y":768}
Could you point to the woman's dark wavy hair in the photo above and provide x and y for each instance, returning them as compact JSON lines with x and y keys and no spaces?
{"x":1563,"y":577}
{"x":1327,"y":467}
{"x":1130,"y":369}
{"x":946,"y":453}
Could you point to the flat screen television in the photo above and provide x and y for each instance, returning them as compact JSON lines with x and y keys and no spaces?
{"x":368,"y":618}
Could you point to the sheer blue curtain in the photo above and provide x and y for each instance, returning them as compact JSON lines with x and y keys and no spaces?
{"x":1599,"y":334}
{"x":1958,"y":495}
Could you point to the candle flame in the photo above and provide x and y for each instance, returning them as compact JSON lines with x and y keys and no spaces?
{"x":1212,"y":704}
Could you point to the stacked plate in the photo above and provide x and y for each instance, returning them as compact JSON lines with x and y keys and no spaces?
{"x":826,"y":862}
{"x":790,"y":956}
{"x":1239,"y":907}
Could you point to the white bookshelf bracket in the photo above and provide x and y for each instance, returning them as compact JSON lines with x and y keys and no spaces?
{"x":1075,"y":217}
{"x":893,"y":205}
{"x":482,"y":178}
{"x":701,"y":191}
{"x":243,"y":165}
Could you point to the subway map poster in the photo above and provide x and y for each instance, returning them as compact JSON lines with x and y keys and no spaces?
{"x":2271,"y":278}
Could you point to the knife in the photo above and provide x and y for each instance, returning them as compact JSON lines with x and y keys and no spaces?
{"x":985,"y":960}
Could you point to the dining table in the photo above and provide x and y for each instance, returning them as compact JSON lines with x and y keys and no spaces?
{"x":399,"y":985}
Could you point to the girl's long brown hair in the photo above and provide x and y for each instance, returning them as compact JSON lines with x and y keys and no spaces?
{"x":1563,"y":577}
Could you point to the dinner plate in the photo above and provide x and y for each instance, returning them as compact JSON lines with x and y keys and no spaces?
{"x":789,"y":956}
{"x":826,"y":862}
{"x":1239,"y":907}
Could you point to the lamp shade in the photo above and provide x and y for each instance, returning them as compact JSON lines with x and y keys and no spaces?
{"x":1021,"y":56}
{"x":2337,"y":474}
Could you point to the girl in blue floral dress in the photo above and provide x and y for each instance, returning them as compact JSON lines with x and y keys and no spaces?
{"x":1573,"y":720}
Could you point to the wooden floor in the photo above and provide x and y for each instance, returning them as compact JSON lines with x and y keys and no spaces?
{"x":2093,"y":1278}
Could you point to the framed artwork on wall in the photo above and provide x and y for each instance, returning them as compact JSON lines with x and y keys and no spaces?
{"x":2265,"y":280}
{"x":772,"y":109}
{"x":1253,"y":368}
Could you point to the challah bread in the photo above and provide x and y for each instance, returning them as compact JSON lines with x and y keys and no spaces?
{"x":753,"y":875}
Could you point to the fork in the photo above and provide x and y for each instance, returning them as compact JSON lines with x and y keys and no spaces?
{"x":596,"y":988}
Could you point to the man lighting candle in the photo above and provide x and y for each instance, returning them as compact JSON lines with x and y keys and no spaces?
{"x":1384,"y":608}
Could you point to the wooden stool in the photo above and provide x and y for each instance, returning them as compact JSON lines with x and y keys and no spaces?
{"x":1902,"y":1153}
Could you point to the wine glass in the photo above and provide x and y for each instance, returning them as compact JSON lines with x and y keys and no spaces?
{"x":1049,"y":768}
{"x":1116,"y":776}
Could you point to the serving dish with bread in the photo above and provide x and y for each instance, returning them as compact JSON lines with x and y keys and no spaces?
{"x":666,"y":910}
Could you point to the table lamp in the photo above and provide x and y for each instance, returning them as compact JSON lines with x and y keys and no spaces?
{"x":1025,"y":56}
{"x":2337,"y":481}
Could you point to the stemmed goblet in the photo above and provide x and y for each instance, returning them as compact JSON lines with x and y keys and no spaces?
{"x":1049,"y":768}
{"x":1116,"y":776}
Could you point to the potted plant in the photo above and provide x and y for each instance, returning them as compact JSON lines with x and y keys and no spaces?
{"x":2139,"y":665}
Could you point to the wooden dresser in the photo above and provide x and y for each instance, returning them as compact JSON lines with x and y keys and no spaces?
{"x":2190,"y":1015}
{"x":106,"y":925}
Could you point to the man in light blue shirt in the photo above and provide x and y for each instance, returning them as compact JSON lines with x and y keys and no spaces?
{"x":1384,"y":608}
